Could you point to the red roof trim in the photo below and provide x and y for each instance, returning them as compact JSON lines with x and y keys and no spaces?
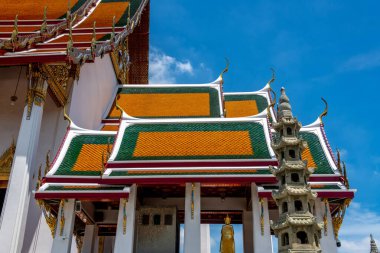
{"x":142,"y":164}
{"x":81,"y":195}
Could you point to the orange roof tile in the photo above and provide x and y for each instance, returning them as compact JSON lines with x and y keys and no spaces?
{"x":104,"y":13}
{"x":33,"y":9}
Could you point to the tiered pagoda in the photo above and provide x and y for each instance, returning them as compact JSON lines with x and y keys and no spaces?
{"x":297,"y":228}
{"x":98,"y":159}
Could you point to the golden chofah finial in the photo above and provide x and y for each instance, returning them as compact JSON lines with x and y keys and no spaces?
{"x":66,"y":116}
{"x":324,"y":113}
{"x":118,"y":106}
{"x":273,"y":100}
{"x":113,"y":29}
{"x":47,"y":162}
{"x":44,"y":23}
{"x":273,"y":76}
{"x":108,"y":147}
{"x":103,"y":167}
{"x":129,"y":14}
{"x":338,"y":161}
{"x":93,"y":41}
{"x":68,"y":12}
{"x":225,"y":70}
{"x":38,"y":185}
{"x":15,"y":30}
{"x":345,"y":176}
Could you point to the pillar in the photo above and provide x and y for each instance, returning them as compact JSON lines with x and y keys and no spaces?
{"x":125,"y":230}
{"x":262,"y":241}
{"x":88,"y":240}
{"x":64,"y":228}
{"x":15,"y":210}
{"x":247,"y":232}
{"x":192,"y":237}
{"x":205,"y":238}
{"x":328,"y":243}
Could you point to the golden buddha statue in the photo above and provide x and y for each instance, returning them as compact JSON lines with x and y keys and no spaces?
{"x":227,"y":242}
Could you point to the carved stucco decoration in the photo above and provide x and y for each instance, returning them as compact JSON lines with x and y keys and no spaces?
{"x":60,"y":78}
{"x":36,"y":90}
{"x":6,"y":160}
{"x":120,"y":61}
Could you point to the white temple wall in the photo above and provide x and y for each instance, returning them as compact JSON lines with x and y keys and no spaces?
{"x":53,"y":127}
{"x":10,"y":116}
{"x":97,"y":81}
{"x":92,"y":93}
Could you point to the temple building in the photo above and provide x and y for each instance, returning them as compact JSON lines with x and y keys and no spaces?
{"x":94,"y":157}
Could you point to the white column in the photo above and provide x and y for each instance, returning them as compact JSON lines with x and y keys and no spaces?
{"x":15,"y":210}
{"x":192,"y":240}
{"x":64,"y":228}
{"x":262,"y":242}
{"x":247,"y":232}
{"x":205,"y":238}
{"x":328,"y":243}
{"x":88,"y":240}
{"x":124,"y":242}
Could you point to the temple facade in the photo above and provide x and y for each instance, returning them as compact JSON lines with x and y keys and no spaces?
{"x":95,"y":159}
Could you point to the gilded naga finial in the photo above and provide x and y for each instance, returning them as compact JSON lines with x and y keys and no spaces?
{"x":93,"y":41}
{"x":70,"y":43}
{"x":225,"y":70}
{"x":38,"y":185}
{"x":271,"y":105}
{"x":345,"y":176}
{"x":338,"y":163}
{"x":273,"y":77}
{"x":47,"y":162}
{"x":227,"y":242}
{"x":68,"y":13}
{"x":44,"y":23}
{"x":113,"y":29}
{"x":325,"y":111}
{"x":129,"y":14}
{"x":66,"y":116}
{"x":15,"y":32}
{"x":118,"y":106}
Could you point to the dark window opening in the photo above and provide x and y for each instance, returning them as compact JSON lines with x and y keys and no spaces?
{"x":145,"y":219}
{"x":282,"y":155}
{"x":298,"y":205}
{"x":302,"y":237}
{"x":157,"y":219}
{"x":292,"y":153}
{"x":289,"y":131}
{"x":295,"y":177}
{"x":283,"y":181}
{"x":168,"y":219}
{"x":284,"y":207}
{"x":285,"y":239}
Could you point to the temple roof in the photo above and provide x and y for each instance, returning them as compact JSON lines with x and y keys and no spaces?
{"x":168,"y":101}
{"x":183,"y":101}
{"x":179,"y":133}
{"x":28,"y":43}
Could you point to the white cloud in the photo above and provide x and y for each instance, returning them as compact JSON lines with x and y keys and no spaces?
{"x":184,"y":67}
{"x":358,"y":223}
{"x":362,"y":61}
{"x":165,"y":69}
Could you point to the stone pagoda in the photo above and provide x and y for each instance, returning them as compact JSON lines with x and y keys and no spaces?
{"x":296,"y":228}
{"x":374,"y":248}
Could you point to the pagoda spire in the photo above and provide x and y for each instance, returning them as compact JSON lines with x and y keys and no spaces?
{"x":374,"y":248}
{"x":296,"y":228}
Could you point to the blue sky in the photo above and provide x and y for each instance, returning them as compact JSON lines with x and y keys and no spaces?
{"x":323,"y":48}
